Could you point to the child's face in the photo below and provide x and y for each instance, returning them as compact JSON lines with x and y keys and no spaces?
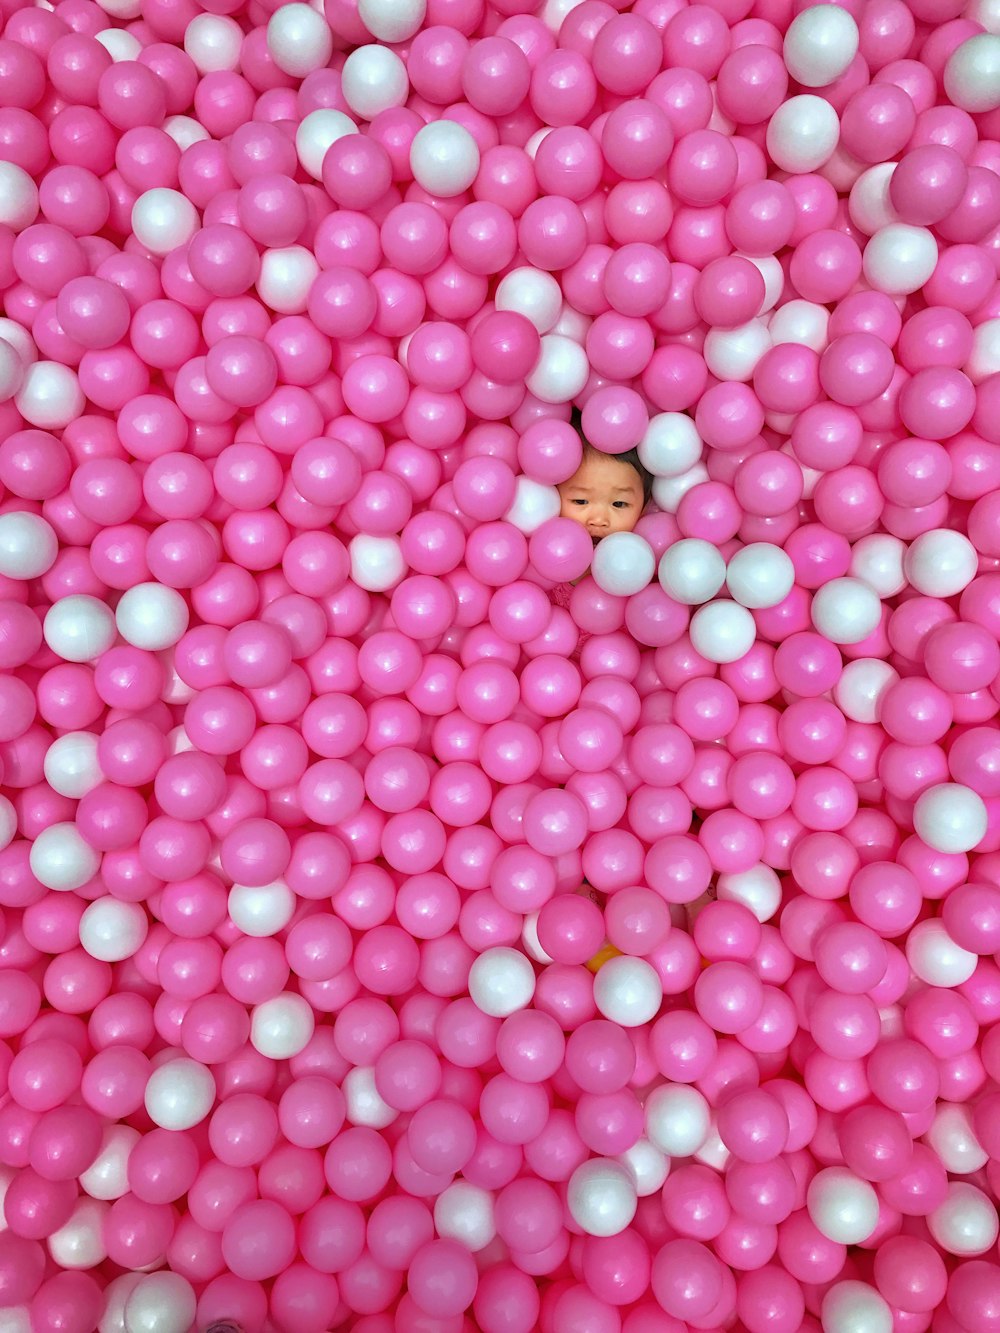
{"x":604,"y":496}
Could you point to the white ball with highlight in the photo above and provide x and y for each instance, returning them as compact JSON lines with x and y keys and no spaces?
{"x":112,"y":930}
{"x":855,"y":1307}
{"x":299,"y":40}
{"x":377,"y":563}
{"x":561,"y":371}
{"x":316,"y":133}
{"x":533,"y":293}
{"x":373,"y":79}
{"x":465,"y":1212}
{"x":972,"y":74}
{"x":820,"y":44}
{"x":677,"y":1119}
{"x":846,"y":610}
{"x":842,"y":1206}
{"x":283,"y":1026}
{"x":623,"y":564}
{"x":392,"y":20}
{"x":70,"y":765}
{"x":802,"y":134}
{"x":61,"y":859}
{"x":722,"y":631}
{"x":261,"y":910}
{"x":691,"y":571}
{"x":671,"y":445}
{"x":164,"y":219}
{"x":50,"y":396}
{"x":152,"y":616}
{"x":950,"y":817}
{"x":899,"y":258}
{"x":760,"y":575}
{"x":601,"y":1197}
{"x":628,"y":991}
{"x":179,"y":1094}
{"x":28,"y":543}
{"x":163,"y":1302}
{"x":935,"y":958}
{"x":941,"y":563}
{"x":501,"y":981}
{"x":534,"y":504}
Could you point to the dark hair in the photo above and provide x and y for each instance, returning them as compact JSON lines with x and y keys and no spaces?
{"x":630,"y":456}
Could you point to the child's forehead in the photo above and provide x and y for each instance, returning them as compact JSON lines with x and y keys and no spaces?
{"x":605,"y":469}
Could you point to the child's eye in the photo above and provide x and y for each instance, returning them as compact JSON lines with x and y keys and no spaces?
{"x":578,"y":502}
{"x":623,"y":504}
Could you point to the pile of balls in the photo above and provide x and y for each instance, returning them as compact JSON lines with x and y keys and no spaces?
{"x":417,"y":916}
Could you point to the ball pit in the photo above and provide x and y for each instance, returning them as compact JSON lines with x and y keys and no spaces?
{"x":499,"y":668}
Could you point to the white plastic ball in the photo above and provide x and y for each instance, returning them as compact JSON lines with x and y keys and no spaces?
{"x":164,"y":219}
{"x":820,"y":44}
{"x":953,"y":1140}
{"x":940,"y":563}
{"x":152,"y":616}
{"x":18,"y":197}
{"x":855,"y":1307}
{"x":972,"y":74}
{"x":61,"y":859}
{"x":935,"y":958}
{"x":363,"y":1103}
{"x":965,"y":1224}
{"x":70,"y":764}
{"x":691,"y":571}
{"x":11,"y":371}
{"x":713,"y":1153}
{"x":899,"y":258}
{"x":530,"y":942}
{"x":116,"y":1293}
{"x":532,"y":293}
{"x":377,"y":563}
{"x":19,"y":338}
{"x":861,"y":686}
{"x":119,"y":44}
{"x":732,"y":354}
{"x":623,"y":564}
{"x":501,"y":981}
{"x":671,"y":445}
{"x":773,"y":274}
{"x":846,"y":610}
{"x":802,"y":322}
{"x":8,"y":822}
{"x":601,"y":1197}
{"x":758,"y":889}
{"x":984,"y":359}
{"x":802,"y":134}
{"x":315,"y":134}
{"x":878,"y":561}
{"x":561,"y":371}
{"x":107,"y":1176}
{"x":868,"y":204}
{"x":213,"y":42}
{"x":179,"y":1094}
{"x":842,"y":1206}
{"x":984,"y":12}
{"x":536,"y":140}
{"x":373,"y":79}
{"x":722,"y":631}
{"x":668,"y":492}
{"x":28,"y":544}
{"x":261,"y":910}
{"x":112,"y":930}
{"x":534,"y":504}
{"x":647,"y":1166}
{"x":677,"y":1119}
{"x":572,"y":324}
{"x":950,"y":817}
{"x":122,"y":10}
{"x":760,"y":575}
{"x":79,"y":1243}
{"x":184,"y":131}
{"x":50,"y":396}
{"x":283,"y":1026}
{"x":163,"y":1302}
{"x":299,"y":40}
{"x":392,"y":20}
{"x":285,"y":278}
{"x":16,"y":1319}
{"x":628,"y":991}
{"x":465,"y":1212}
